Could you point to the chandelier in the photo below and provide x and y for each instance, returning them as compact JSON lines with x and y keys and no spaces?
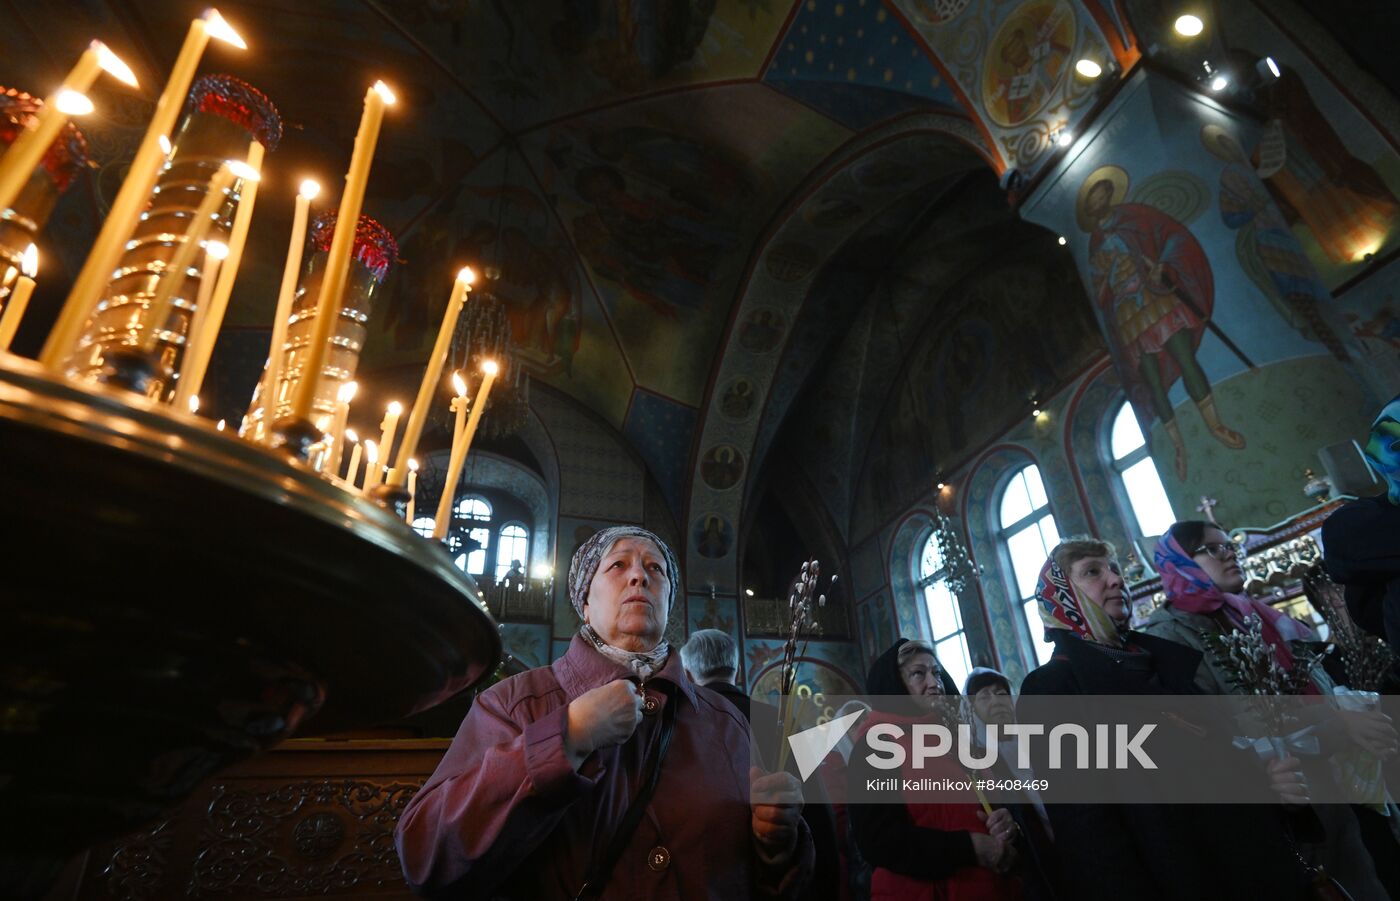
{"x":961,"y":572}
{"x":483,"y":334}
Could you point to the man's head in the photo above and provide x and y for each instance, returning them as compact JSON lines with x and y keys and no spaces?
{"x":1091,"y":566}
{"x":710,"y":656}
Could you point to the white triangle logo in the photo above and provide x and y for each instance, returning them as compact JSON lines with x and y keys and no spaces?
{"x":810,"y":746}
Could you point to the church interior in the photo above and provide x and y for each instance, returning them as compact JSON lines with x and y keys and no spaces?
{"x":881,"y":283}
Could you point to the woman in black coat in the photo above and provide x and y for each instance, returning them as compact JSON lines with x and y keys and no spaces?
{"x":1146,"y":850}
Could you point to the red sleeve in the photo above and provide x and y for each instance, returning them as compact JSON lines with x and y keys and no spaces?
{"x":498,"y":792}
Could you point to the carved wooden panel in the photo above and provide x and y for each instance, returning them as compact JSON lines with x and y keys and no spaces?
{"x":310,"y":819}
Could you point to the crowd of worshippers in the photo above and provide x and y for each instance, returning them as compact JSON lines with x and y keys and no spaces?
{"x":625,"y":769}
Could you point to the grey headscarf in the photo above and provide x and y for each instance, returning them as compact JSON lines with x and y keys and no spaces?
{"x":585,"y":566}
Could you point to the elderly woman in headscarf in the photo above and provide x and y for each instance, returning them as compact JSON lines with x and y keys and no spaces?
{"x":1203,"y":582}
{"x":950,"y":849}
{"x":607,"y":774}
{"x":1146,"y":850}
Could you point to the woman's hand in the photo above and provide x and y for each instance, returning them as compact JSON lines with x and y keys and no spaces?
{"x":776,"y":799}
{"x":993,"y":853}
{"x":1371,"y":730}
{"x":1287,"y":781}
{"x":602,"y":717}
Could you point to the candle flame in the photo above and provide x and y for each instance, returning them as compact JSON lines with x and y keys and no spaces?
{"x":222,"y":425}
{"x":222,"y":30}
{"x":72,"y":103}
{"x":113,"y":65}
{"x":395,"y":408}
{"x":310,"y":188}
{"x":385,"y":92}
{"x":29,"y":264}
{"x":347,"y":392}
{"x":194,"y":403}
{"x":351,"y":436}
{"x":164,"y":145}
{"x":242,"y":170}
{"x":371,"y":451}
{"x":490,"y":368}
{"x":459,"y":385}
{"x":412,"y":464}
{"x":466,"y":275}
{"x":216,"y":249}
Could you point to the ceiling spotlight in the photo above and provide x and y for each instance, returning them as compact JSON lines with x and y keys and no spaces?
{"x":1218,"y":83}
{"x":748,"y":591}
{"x":1064,"y":139}
{"x":1267,"y":64}
{"x":1061,"y":240}
{"x":1189,"y":26}
{"x":1088,"y":68}
{"x":1035,"y":411}
{"x":941,"y":486}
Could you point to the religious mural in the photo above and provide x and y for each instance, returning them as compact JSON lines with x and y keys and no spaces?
{"x":1334,"y":177}
{"x":877,"y":627}
{"x":1154,"y":290}
{"x":1014,"y":64}
{"x":1016,"y":328}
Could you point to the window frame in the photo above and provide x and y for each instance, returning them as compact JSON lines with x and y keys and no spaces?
{"x":921,"y":585}
{"x":502,"y":567}
{"x":1004,"y":533}
{"x":1117,"y":466}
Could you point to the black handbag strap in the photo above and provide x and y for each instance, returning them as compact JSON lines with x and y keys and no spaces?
{"x":602,"y":866}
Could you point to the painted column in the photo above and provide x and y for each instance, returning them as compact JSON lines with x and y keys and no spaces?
{"x":1228,"y":344}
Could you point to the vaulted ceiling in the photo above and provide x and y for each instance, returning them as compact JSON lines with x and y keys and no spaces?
{"x":683,"y":204}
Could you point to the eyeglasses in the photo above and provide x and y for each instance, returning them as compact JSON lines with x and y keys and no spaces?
{"x":1221,"y":551}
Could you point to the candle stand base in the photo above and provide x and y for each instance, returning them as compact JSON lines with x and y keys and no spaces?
{"x":296,"y":437}
{"x":178,"y":599}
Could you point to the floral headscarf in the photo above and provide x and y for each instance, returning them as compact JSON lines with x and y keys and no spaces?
{"x":1383,"y":448}
{"x":1188,"y":588}
{"x":581,"y":572}
{"x":1061,"y":608}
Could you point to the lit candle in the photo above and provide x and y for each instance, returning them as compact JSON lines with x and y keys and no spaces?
{"x":354,"y":469}
{"x":414,"y":430}
{"x":209,"y":313}
{"x":454,"y":470}
{"x":19,"y":297}
{"x":285,"y":296}
{"x":136,"y":190}
{"x":386,"y":440}
{"x":223,"y":423}
{"x":412,"y":489}
{"x":342,"y":415}
{"x":194,"y":404}
{"x":173,"y":276}
{"x":459,"y":406}
{"x":29,"y":148}
{"x":342,"y":242}
{"x":371,"y":462}
{"x":191,"y":373}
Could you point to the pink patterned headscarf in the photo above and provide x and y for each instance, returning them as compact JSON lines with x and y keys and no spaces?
{"x":1189,"y":588}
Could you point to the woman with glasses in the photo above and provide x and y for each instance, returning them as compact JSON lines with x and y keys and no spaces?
{"x":1203,"y":582}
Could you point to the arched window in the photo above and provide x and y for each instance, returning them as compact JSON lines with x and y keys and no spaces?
{"x":944,"y":615}
{"x":1137,"y":475}
{"x":424,"y":525}
{"x":1028,"y":532}
{"x":513,"y":548}
{"x":469,"y":512}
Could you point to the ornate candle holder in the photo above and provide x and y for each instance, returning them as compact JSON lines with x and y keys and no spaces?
{"x":217,"y":599}
{"x":374,"y":252}
{"x":222,"y":116}
{"x":20,"y":224}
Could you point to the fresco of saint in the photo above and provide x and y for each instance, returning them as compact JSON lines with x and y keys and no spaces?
{"x":1153,"y":288}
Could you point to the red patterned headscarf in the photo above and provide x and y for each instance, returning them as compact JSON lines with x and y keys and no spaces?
{"x":1062,"y":608}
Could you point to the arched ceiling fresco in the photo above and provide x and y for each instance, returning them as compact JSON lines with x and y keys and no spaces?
{"x":659,"y":184}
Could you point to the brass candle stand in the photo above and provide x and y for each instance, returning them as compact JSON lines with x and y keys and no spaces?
{"x":179,"y":598}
